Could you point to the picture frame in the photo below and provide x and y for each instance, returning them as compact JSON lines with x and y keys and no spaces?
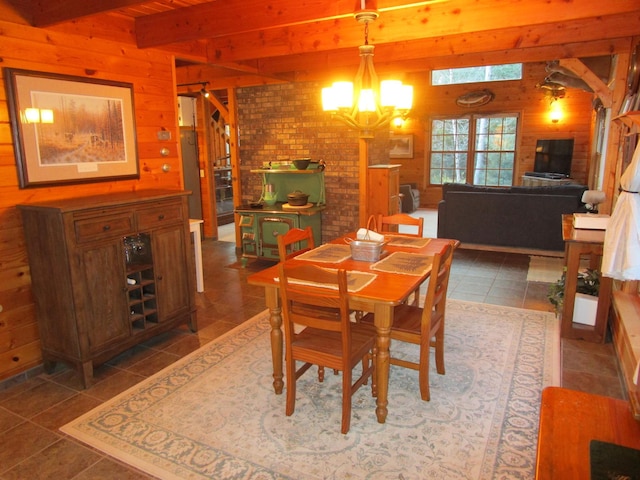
{"x":69,"y":129}
{"x":401,"y":146}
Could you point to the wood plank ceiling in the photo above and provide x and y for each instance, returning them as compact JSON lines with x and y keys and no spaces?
{"x":242,"y":42}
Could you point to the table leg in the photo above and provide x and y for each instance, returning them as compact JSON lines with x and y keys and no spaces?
{"x":383,"y":318}
{"x":572,"y":261}
{"x":275,"y":319}
{"x":194,"y":227}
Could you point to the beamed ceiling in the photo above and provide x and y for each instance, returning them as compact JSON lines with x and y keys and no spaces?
{"x":247,"y":42}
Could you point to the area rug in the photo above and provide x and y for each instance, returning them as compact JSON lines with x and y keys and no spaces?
{"x":544,"y":269}
{"x":214,"y":414}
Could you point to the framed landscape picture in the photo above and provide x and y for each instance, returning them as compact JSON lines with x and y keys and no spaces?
{"x":70,"y":129}
{"x":401,"y":146}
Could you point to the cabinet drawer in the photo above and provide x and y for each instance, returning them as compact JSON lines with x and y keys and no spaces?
{"x":159,"y":215}
{"x":98,"y":228}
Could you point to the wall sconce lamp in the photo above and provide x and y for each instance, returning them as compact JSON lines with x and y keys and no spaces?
{"x":398,"y":121}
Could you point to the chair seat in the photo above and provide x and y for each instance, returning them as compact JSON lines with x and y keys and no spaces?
{"x":407,"y":319}
{"x":330,"y":344}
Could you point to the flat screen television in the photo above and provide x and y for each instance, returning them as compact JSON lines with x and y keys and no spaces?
{"x":554,"y":156}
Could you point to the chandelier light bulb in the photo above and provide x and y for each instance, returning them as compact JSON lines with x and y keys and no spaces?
{"x":555,"y":112}
{"x":367,"y":102}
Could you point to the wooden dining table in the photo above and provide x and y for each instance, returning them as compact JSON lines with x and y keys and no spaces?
{"x":380,"y":295}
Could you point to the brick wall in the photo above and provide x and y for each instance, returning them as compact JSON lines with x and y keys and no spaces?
{"x":286,"y":121}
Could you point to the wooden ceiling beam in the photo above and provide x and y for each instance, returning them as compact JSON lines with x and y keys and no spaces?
{"x":216,"y":19}
{"x":49,"y":12}
{"x":322,"y":73}
{"x":298,"y":40}
{"x":516,"y":43}
{"x":317,"y":24}
{"x":319,"y":68}
{"x":583,"y":72}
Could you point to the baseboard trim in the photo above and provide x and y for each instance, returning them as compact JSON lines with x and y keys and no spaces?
{"x":525,"y":251}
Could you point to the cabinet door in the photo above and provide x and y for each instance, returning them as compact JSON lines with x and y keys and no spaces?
{"x":172,"y":273}
{"x":102,"y":306}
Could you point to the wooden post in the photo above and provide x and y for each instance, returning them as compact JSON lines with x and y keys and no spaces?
{"x":363,"y":168}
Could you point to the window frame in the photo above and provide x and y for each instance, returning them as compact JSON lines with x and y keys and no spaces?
{"x":471,"y":145}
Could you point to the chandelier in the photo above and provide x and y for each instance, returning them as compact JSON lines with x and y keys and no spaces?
{"x":367,"y":104}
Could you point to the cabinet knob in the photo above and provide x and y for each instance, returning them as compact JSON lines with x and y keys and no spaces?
{"x":106,"y":228}
{"x":161,"y":217}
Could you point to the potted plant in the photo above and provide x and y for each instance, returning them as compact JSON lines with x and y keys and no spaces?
{"x":588,"y":284}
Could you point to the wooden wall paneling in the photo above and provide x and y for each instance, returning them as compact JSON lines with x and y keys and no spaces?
{"x":208,"y":201}
{"x":151,"y":73}
{"x":519,"y":97}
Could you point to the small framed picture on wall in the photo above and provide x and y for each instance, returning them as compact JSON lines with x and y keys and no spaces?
{"x":401,"y":146}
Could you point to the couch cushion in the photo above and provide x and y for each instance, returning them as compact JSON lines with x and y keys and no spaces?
{"x":465,"y":187}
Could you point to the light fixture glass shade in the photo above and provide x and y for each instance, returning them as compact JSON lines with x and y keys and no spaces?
{"x":405,"y":98}
{"x":329,"y":101}
{"x":343,"y":92}
{"x":367,"y":102}
{"x":390,"y":92}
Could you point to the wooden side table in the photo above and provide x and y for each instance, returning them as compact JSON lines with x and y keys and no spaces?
{"x":569,"y":420}
{"x":579,"y":243}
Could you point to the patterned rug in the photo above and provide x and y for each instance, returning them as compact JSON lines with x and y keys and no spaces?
{"x":214,"y":414}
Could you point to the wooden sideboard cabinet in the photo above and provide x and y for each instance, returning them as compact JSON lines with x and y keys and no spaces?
{"x":383,"y":190}
{"x":108,"y":272}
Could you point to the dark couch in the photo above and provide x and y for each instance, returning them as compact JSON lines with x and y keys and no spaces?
{"x":520,"y":217}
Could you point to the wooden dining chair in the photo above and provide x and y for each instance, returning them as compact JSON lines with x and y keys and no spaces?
{"x":392,"y":223}
{"x":295,"y":242}
{"x":329,"y":338}
{"x":424,"y":326}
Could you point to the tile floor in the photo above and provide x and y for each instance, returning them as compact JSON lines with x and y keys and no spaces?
{"x":33,"y":407}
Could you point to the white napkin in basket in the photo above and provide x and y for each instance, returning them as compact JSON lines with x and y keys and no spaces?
{"x":364,"y":234}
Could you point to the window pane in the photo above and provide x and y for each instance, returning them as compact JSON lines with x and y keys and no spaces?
{"x":449,"y":150}
{"x":509,"y":141}
{"x":487,"y":73}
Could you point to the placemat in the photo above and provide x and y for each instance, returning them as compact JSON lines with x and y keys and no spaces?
{"x":355,"y":281}
{"x":411,"y":242}
{"x":406,"y":263}
{"x":328,"y":253}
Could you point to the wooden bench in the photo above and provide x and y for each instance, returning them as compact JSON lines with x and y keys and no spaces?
{"x":569,"y":421}
{"x":625,"y":327}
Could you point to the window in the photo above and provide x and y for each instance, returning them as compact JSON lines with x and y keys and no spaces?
{"x":480,"y":150}
{"x":487,"y":73}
